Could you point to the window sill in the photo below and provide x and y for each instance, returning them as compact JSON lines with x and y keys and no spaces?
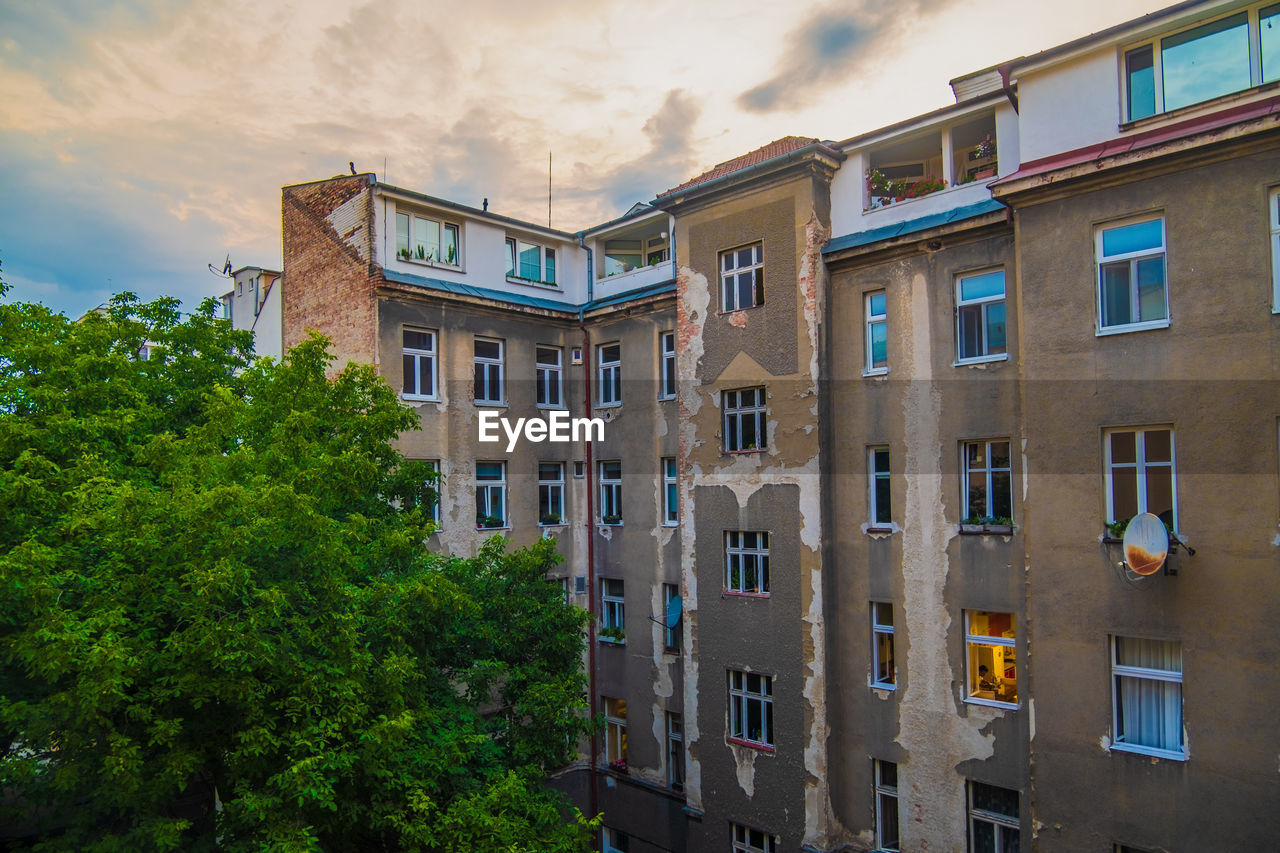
{"x":991,"y":703}
{"x":725,"y":313}
{"x":747,"y":451}
{"x":617,"y":404}
{"x":1149,"y":751}
{"x":1174,"y":115}
{"x":548,"y":407}
{"x":418,"y":398}
{"x":673,"y":396}
{"x":1133,"y":327}
{"x":426,"y":262}
{"x":542,"y":285}
{"x":981,"y":359}
{"x":608,"y":524}
{"x":491,"y":529}
{"x":881,"y":530}
{"x":878,"y":685}
{"x":555,"y":524}
{"x":740,"y":594}
{"x":751,"y":744}
{"x":876,"y":371}
{"x":492,"y":404}
{"x":611,"y":642}
{"x":986,"y":530}
{"x":671,"y":524}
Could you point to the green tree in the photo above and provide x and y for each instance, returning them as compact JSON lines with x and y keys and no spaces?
{"x":213,"y":584}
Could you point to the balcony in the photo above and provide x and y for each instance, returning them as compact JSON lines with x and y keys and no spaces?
{"x":633,"y":257}
{"x":954,"y":155}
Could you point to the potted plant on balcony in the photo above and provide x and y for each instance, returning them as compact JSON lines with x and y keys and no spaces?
{"x":1001,"y":524}
{"x":404,"y":254}
{"x":550,"y":518}
{"x":486,"y":522}
{"x":613,"y":634}
{"x":619,"y":765}
{"x":972,"y":524}
{"x":610,"y":519}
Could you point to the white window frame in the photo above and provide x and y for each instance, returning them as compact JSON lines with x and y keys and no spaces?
{"x":744,"y":840}
{"x":1273,"y":215}
{"x":434,"y":465}
{"x":987,"y":472}
{"x":741,"y":698}
{"x":737,"y":551}
{"x":1253,"y":30}
{"x":553,"y":487}
{"x":670,"y":636}
{"x":610,"y":491}
{"x":871,"y":319}
{"x":874,"y":476}
{"x":983,"y":305}
{"x":1132,"y":258}
{"x":971,"y":641}
{"x":1119,"y":671}
{"x":667,"y":365}
{"x":1140,"y":465}
{"x":615,"y":729}
{"x":419,"y":357}
{"x":670,"y":492}
{"x":675,"y":751}
{"x":412,"y":244}
{"x":735,"y":412}
{"x":1003,"y":823}
{"x":886,"y":797}
{"x":730,"y":273}
{"x":546,"y":262}
{"x":613,"y":608}
{"x":492,"y":367}
{"x":549,"y":376}
{"x":484,"y":499}
{"x":609,"y":375}
{"x":882,"y":633}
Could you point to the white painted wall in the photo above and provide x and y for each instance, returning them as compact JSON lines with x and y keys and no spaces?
{"x":1070,"y":105}
{"x":268,"y":329}
{"x":484,"y":259}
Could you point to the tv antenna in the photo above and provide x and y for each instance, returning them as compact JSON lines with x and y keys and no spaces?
{"x":225,"y":272}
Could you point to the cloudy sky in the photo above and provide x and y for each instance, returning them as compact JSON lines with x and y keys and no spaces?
{"x":141,"y":140}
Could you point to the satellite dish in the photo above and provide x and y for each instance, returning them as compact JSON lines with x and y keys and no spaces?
{"x":674,"y":608}
{"x":1146,"y":544}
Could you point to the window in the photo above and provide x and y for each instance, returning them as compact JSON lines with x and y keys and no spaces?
{"x":1203,"y":62}
{"x":549,"y":377}
{"x":877,"y":334}
{"x":742,"y":277}
{"x":747,"y":561}
{"x":434,"y":465}
{"x":615,"y":732}
{"x":1273,"y":214}
{"x":491,"y":494}
{"x":611,"y":492}
{"x":489,"y":366}
{"x":1140,"y":474}
{"x":419,"y":364}
{"x":671,"y":635}
{"x":675,"y":751}
{"x":667,"y":378}
{"x":878,"y":487}
{"x":530,"y":262}
{"x":614,"y":841}
{"x":613,"y":610}
{"x":670,"y":492}
{"x":988,"y":480}
{"x":550,"y":493}
{"x":744,"y":420}
{"x":992,"y":658}
{"x":886,"y":784}
{"x":748,"y":840}
{"x":609,"y":358}
{"x":993,"y":819}
{"x":884,"y":673}
{"x":421,"y":239}
{"x":1147,"y":679}
{"x":751,"y":708}
{"x":626,"y":255}
{"x":579,"y":469}
{"x":980,"y":317}
{"x":1131,"y":284}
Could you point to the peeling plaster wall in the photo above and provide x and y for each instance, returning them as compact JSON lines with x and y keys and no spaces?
{"x":922,"y":410}
{"x":1214,"y":376}
{"x":778,"y":490}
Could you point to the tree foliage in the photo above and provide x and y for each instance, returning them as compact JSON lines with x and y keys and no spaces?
{"x":213,"y":578}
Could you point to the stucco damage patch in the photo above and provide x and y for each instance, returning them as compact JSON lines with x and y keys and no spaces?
{"x":936,"y":738}
{"x":744,"y":763}
{"x":693,"y":299}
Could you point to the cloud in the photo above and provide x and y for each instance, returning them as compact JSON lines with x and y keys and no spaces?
{"x":832,"y":45}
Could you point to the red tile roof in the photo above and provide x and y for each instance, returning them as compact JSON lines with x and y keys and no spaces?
{"x":777,"y":148}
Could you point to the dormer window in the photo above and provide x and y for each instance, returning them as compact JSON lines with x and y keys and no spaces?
{"x":420,"y":238}
{"x":1203,"y":62}
{"x":530,"y":262}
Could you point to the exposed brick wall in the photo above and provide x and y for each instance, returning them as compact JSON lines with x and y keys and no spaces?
{"x":329,"y":277}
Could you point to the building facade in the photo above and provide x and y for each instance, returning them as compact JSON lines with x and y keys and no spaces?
{"x":876,"y":412}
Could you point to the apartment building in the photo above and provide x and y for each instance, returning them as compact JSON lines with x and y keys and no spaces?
{"x":876,"y":411}
{"x":253,"y":304}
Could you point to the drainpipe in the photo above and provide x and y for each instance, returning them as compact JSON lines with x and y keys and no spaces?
{"x":591,"y":543}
